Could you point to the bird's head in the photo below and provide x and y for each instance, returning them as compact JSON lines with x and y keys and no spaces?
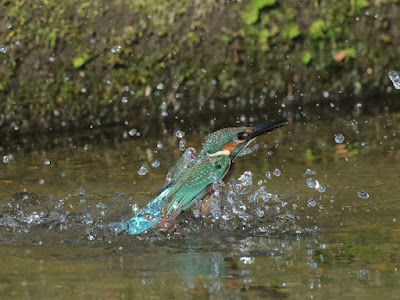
{"x":230,"y":141}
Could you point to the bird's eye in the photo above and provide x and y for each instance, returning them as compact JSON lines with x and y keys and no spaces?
{"x":242,"y":135}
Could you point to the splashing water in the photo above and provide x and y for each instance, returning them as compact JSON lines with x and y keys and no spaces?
{"x":180,"y":134}
{"x":243,"y":184}
{"x":237,"y":208}
{"x":188,"y":159}
{"x":143,"y":170}
{"x":339,"y":138}
{"x":116,"y":49}
{"x":395,"y":78}
{"x":155,"y":164}
{"x":363,"y":195}
{"x":314,"y":184}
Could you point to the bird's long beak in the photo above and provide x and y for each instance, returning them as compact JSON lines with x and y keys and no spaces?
{"x":264,"y":128}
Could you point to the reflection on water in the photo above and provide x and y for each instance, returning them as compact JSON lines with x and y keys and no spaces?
{"x":312,"y":212}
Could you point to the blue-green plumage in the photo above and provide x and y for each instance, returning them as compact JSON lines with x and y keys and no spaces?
{"x":192,"y":177}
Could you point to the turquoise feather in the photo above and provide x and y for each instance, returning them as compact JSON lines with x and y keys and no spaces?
{"x":191,"y":187}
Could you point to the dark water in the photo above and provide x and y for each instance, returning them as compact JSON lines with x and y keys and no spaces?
{"x":323,"y":223}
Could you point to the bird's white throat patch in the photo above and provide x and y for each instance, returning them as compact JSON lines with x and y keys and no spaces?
{"x":220,"y":153}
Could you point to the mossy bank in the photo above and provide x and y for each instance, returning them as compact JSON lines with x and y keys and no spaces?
{"x":72,"y":64}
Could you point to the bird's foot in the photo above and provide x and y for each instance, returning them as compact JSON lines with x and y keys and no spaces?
{"x":166,"y":224}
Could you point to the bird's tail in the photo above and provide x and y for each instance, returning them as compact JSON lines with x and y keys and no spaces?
{"x":148,"y":217}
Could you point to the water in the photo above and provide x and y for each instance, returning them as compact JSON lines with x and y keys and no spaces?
{"x":339,"y":138}
{"x":116,"y":49}
{"x":266,"y":236}
{"x":395,"y":78}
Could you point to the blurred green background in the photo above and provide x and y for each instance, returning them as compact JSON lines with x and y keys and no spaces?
{"x":74,"y":64}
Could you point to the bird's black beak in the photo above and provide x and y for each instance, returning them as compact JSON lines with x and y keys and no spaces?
{"x":264,"y":128}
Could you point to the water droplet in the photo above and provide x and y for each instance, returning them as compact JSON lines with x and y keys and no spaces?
{"x":127,"y":88}
{"x":339,"y":138}
{"x":132,"y":132}
{"x":116,"y":49}
{"x":3,"y":49}
{"x":143,"y":170}
{"x":83,"y":90}
{"x":311,"y":202}
{"x":182,"y":144}
{"x":260,"y":213}
{"x":311,"y":172}
{"x":244,"y":183}
{"x":9,"y":26}
{"x":394,"y":77}
{"x":268,"y":174}
{"x":101,"y":205}
{"x":135,"y":208}
{"x":363,"y":195}
{"x":189,"y":154}
{"x":149,"y":216}
{"x":159,"y":145}
{"x":5,"y":159}
{"x":47,"y":162}
{"x":247,"y":260}
{"x":180,"y":134}
{"x":124,"y":100}
{"x":312,"y":183}
{"x":204,"y":70}
{"x":160,"y":86}
{"x":277,"y":172}
{"x":155,"y":164}
{"x":81,"y":191}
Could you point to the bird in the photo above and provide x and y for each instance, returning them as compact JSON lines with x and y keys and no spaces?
{"x":190,"y":181}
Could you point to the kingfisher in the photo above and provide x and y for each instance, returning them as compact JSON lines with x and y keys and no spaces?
{"x":191,"y":180}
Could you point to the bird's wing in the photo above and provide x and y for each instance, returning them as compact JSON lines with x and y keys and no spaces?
{"x":194,"y":184}
{"x":184,"y":164}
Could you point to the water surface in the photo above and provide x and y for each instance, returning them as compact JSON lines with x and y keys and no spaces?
{"x":306,"y":216}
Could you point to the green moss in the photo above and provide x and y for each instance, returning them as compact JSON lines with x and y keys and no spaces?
{"x":293,"y":32}
{"x":360,"y":4}
{"x":192,"y":39}
{"x":67,"y":46}
{"x":250,"y":15}
{"x":317,"y":29}
{"x":259,"y":4}
{"x":306,"y":58}
{"x":351,"y":52}
{"x":79,"y":61}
